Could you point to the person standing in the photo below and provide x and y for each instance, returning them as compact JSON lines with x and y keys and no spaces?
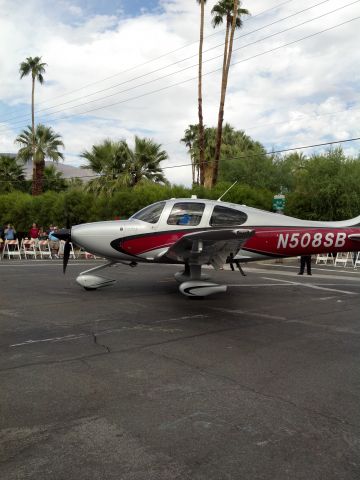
{"x":9,"y":232}
{"x":42,"y":234}
{"x":305,"y":260}
{"x":54,"y":242}
{"x":34,"y":233}
{"x":1,"y":238}
{"x":231,"y":259}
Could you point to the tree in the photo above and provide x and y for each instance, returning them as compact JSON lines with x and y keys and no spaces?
{"x":36,"y":69}
{"x":245,"y":160}
{"x":44,"y":144}
{"x":11,"y":174}
{"x":54,"y":180}
{"x":107,"y":158}
{"x":200,"y":112}
{"x":145,"y":161}
{"x":191,"y":141}
{"x":120,"y":166}
{"x":328,"y":187}
{"x":289,"y":169}
{"x":242,"y":158}
{"x":231,"y":11}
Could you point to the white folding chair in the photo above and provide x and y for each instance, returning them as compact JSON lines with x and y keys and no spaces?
{"x":61,"y":249}
{"x":44,"y":249}
{"x":324,"y":258}
{"x":356,"y":260}
{"x":11,"y":249}
{"x":342,"y":258}
{"x":28,"y":248}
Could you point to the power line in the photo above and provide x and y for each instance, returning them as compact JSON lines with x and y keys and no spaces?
{"x":274,"y":152}
{"x":245,"y":155}
{"x":159,"y":57}
{"x":218,"y":69}
{"x":176,"y":63}
{"x":208,"y":73}
{"x":300,"y":117}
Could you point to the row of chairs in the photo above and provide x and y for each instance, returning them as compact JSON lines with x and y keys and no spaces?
{"x":340,"y":259}
{"x":37,"y":249}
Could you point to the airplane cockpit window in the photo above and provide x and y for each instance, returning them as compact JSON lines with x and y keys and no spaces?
{"x":150,"y":214}
{"x":186,"y":213}
{"x":223,"y":216}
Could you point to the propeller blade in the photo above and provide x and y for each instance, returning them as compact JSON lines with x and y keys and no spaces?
{"x":67,"y":250}
{"x":63,"y":234}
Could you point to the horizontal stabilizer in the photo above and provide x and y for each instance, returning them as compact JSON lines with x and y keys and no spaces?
{"x":354,"y":236}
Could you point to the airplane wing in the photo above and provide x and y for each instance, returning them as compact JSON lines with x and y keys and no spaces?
{"x":208,"y":246}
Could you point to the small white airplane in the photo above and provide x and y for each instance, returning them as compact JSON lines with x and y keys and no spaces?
{"x":194,"y":232}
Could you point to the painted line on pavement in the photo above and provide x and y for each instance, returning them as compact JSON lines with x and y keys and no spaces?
{"x":150,"y":327}
{"x":315,"y":287}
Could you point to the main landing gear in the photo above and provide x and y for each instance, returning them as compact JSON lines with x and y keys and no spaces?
{"x":193,"y":283}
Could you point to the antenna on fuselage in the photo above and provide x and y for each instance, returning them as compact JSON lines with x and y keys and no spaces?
{"x":219,"y":199}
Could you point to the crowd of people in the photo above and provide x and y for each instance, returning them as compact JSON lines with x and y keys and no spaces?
{"x":34,"y":234}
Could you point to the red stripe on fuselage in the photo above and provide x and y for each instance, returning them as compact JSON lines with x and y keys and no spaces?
{"x":278,"y":241}
{"x":301,"y":241}
{"x":139,"y":245}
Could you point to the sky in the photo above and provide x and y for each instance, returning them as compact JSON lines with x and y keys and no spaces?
{"x":120,"y":68}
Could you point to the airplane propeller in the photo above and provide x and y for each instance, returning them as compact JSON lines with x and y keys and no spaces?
{"x":65,"y":234}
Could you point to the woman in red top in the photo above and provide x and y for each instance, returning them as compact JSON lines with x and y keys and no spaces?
{"x":34,"y":232}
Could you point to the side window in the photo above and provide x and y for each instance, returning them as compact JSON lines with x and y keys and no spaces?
{"x":186,"y":213}
{"x":223,"y":216}
{"x":150,"y":214}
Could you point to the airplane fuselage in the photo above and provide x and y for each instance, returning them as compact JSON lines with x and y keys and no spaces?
{"x":274,"y":235}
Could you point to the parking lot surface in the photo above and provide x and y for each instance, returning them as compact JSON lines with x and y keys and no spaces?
{"x":139,"y":382}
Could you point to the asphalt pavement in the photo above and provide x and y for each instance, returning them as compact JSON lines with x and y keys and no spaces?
{"x":138,"y":382}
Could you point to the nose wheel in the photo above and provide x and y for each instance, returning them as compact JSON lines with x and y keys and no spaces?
{"x":90,"y":281}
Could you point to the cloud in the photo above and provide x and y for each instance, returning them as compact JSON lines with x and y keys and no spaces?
{"x":297,"y":95}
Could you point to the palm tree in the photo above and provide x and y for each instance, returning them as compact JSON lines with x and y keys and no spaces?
{"x":108,"y":161}
{"x":12,"y":175}
{"x":191,"y":141}
{"x":45,"y":143}
{"x":231,"y":11}
{"x":200,"y":112}
{"x":145,"y":161}
{"x":120,"y":166}
{"x":54,"y":180}
{"x":107,"y":158}
{"x":34,"y":67}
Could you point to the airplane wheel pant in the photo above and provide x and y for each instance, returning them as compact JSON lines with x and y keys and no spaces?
{"x":201,"y":289}
{"x":92,"y":282}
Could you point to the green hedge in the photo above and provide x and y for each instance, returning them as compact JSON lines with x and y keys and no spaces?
{"x":77,"y":206}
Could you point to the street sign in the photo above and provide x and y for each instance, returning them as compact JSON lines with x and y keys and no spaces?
{"x":278,"y":202}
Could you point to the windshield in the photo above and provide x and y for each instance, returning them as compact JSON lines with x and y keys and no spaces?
{"x":150,"y":214}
